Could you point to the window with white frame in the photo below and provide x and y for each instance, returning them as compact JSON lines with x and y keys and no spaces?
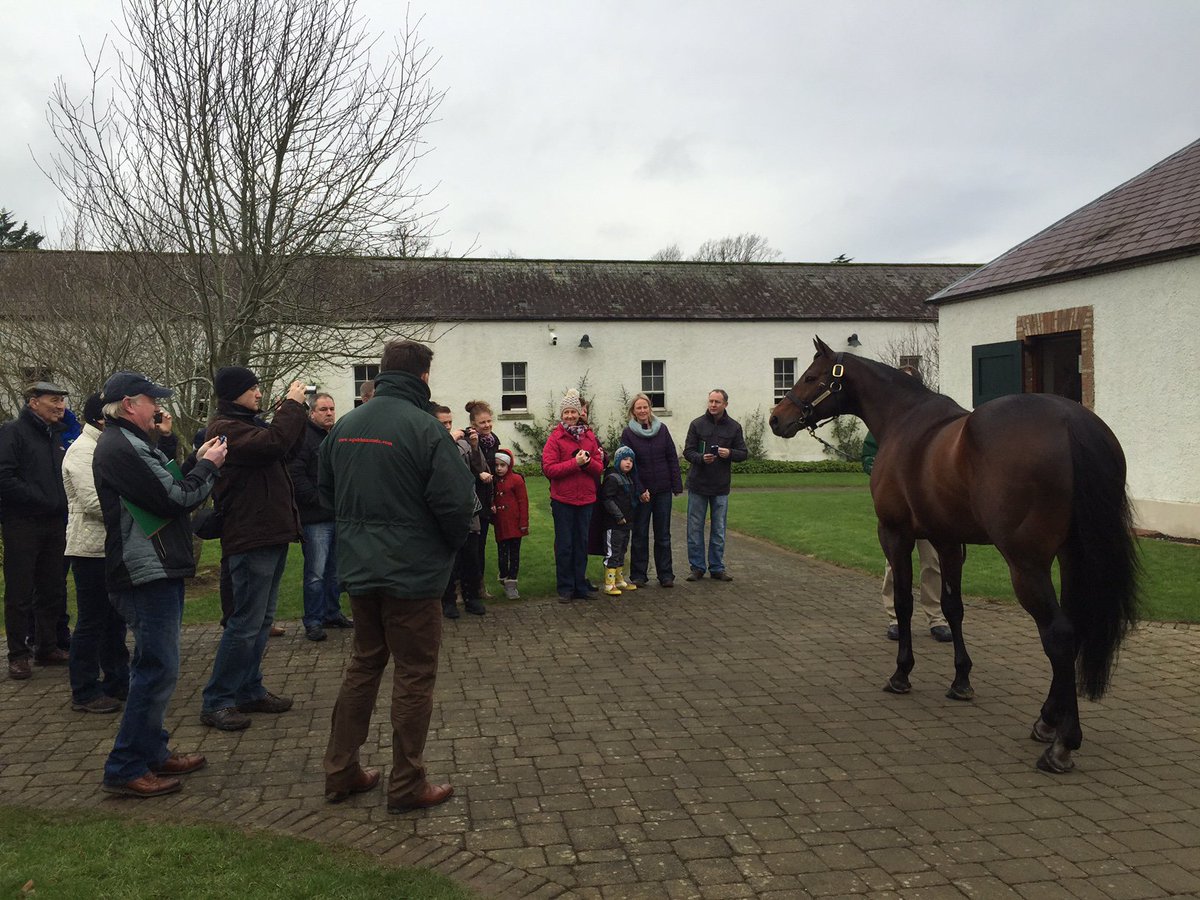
{"x":654,"y":381}
{"x":362,"y":374}
{"x":913,"y":361}
{"x":513,"y":394}
{"x":785,"y":376}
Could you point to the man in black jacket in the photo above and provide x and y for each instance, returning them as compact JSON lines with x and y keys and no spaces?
{"x":33,"y":518}
{"x":148,"y":553}
{"x":321,"y":591}
{"x":714,"y":442}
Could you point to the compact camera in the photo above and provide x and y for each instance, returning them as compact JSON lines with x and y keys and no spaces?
{"x":158,"y":417}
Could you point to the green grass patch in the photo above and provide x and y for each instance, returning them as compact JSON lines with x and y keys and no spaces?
{"x":87,"y":855}
{"x":839,"y":526}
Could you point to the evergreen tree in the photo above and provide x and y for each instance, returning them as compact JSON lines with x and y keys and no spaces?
{"x":14,"y":238}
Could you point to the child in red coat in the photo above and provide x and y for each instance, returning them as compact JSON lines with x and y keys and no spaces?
{"x":510,"y":518}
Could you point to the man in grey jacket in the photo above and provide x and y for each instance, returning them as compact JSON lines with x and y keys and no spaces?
{"x":148,"y":553}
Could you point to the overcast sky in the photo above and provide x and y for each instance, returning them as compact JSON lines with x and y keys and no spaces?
{"x":890,"y":131}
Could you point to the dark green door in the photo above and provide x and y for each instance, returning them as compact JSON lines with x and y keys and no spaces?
{"x":995,"y":371}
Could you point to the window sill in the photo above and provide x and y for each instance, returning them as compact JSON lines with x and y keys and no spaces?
{"x":516,"y":414}
{"x":661,"y":413}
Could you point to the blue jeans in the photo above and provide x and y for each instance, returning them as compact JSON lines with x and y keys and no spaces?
{"x":570,"y":547}
{"x":237,"y":674}
{"x":154,"y":613}
{"x":321,"y":589}
{"x":698,"y":506}
{"x":658,"y":512}
{"x":98,"y":644}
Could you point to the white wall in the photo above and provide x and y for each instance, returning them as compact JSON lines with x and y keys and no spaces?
{"x":736,"y":356}
{"x":1147,"y":372}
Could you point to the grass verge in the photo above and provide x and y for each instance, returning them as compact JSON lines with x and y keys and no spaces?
{"x":87,"y":855}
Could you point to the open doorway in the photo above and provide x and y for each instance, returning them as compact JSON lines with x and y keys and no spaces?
{"x":1057,"y":364}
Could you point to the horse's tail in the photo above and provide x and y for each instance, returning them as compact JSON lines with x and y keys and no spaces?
{"x":1103,"y":567}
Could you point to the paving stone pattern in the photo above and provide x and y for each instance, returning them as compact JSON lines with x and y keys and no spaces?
{"x":712,"y":741}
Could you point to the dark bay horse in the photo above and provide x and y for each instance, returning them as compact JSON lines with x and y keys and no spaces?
{"x":1039,"y":476}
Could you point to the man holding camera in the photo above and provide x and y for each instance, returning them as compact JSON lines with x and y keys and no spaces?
{"x":148,"y":553}
{"x":714,"y":442}
{"x":260,"y":520}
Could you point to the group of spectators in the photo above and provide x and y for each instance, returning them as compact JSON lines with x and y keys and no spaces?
{"x":120,"y":513}
{"x":386,"y":507}
{"x":635,"y":495}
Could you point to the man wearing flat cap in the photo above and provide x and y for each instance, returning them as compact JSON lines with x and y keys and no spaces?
{"x":255,"y":498}
{"x":33,"y":519}
{"x":148,"y":554}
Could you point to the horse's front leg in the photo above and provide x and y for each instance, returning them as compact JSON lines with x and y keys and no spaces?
{"x":898,"y":550}
{"x":951,"y":557}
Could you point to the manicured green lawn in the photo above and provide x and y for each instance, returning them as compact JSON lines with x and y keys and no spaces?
{"x":77,"y":855}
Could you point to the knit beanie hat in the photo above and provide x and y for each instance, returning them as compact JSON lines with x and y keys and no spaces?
{"x":93,"y":409}
{"x":504,"y":456}
{"x":623,"y":452}
{"x":231,"y":382}
{"x":570,"y":400}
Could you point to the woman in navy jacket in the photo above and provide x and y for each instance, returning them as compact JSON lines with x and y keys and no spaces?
{"x":658,"y":470}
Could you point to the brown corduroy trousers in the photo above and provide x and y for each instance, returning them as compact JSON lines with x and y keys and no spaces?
{"x":409,"y":632}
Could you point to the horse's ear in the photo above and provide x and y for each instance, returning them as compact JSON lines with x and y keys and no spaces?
{"x":822,"y":347}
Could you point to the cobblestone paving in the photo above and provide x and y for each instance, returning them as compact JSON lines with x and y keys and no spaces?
{"x":712,"y":741}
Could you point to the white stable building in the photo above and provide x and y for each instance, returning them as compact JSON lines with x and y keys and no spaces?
{"x":1102,"y":306}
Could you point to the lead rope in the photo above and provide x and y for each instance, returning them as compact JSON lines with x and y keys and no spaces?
{"x":828,"y":446}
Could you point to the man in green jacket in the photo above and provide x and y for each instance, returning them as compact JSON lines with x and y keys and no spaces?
{"x":403,"y":503}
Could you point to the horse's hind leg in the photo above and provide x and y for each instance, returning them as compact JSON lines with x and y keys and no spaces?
{"x":1058,"y":724}
{"x":951,"y":558}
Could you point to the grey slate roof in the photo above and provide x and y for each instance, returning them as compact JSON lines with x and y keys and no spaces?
{"x":492,"y":289}
{"x":1151,"y":217}
{"x":432,"y":289}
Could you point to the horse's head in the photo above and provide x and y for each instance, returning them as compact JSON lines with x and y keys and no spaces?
{"x":815,"y":397}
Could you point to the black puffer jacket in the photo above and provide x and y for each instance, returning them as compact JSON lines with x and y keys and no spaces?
{"x":31,"y":457}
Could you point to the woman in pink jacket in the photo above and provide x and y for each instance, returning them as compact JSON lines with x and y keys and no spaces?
{"x":571,"y":460}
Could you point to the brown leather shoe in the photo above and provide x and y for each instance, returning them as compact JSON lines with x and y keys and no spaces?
{"x":181,"y":764}
{"x":20,"y":670}
{"x":430,"y":795}
{"x":367,"y":780}
{"x":149,"y":785}
{"x":56,"y":657}
{"x":277,"y":631}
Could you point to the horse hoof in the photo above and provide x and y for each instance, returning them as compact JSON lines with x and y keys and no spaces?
{"x":1043,"y":733}
{"x":1055,"y":764}
{"x":895,"y":686}
{"x":957,"y":693}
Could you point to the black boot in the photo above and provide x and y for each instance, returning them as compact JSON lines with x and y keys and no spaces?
{"x":450,"y":609}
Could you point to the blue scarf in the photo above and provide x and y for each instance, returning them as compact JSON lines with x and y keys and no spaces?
{"x":641,"y":431}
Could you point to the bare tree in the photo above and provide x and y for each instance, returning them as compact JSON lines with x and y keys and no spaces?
{"x":229,"y":148}
{"x":741,"y":248}
{"x":918,"y":347}
{"x":669,"y":253}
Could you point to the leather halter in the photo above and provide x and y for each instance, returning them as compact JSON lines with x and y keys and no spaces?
{"x":808,"y":409}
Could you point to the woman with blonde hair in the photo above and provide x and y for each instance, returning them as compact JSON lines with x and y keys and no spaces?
{"x":658,"y":471}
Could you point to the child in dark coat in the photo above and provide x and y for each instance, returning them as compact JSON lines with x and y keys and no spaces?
{"x":620,"y":496}
{"x":510,"y":516}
